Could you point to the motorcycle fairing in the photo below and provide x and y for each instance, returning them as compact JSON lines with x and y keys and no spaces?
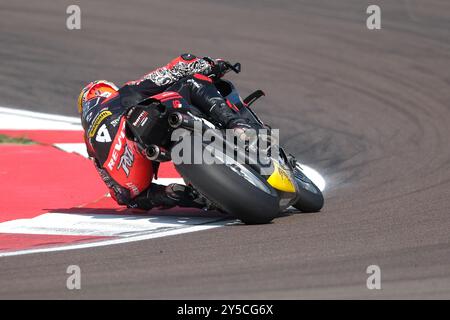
{"x":280,"y":179}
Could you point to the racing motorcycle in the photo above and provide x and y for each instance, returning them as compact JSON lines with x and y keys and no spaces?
{"x":255,"y":191}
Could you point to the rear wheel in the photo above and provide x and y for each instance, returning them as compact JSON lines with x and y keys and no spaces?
{"x":236,"y":188}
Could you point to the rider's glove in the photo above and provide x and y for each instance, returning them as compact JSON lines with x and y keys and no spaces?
{"x":218,"y":67}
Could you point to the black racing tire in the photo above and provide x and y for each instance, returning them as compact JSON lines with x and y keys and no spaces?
{"x":232,"y":192}
{"x":229,"y":187}
{"x":310,"y":198}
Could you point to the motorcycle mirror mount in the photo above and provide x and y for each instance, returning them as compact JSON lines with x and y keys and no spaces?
{"x":235,"y":67}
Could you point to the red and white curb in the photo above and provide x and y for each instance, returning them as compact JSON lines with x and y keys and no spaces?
{"x":92,"y":221}
{"x":54,"y":199}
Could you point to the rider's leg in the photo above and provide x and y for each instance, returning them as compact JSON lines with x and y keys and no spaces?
{"x":199,"y":91}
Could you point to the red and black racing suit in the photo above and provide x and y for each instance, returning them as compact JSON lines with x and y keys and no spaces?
{"x":119,"y":161}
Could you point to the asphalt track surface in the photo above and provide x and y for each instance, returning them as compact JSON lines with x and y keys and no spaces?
{"x":368,"y":109}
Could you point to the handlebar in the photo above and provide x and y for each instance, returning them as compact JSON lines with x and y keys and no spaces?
{"x":235,"y":67}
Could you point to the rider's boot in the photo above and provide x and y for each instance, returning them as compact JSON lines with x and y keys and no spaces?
{"x":170,"y":196}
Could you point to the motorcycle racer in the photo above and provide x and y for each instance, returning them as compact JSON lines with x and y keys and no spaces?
{"x":122,"y":165}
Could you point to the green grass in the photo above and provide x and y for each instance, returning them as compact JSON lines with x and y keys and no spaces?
{"x":20,"y":140}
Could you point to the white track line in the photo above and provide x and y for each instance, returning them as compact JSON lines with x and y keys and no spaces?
{"x":103,"y":225}
{"x":79,"y":148}
{"x":40,"y":115}
{"x":26,"y":121}
{"x":118,"y":240}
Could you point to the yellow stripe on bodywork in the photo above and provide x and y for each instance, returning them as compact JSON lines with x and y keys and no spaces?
{"x":280,"y":180}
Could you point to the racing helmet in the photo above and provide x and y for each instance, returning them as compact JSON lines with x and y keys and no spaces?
{"x":95,"y":89}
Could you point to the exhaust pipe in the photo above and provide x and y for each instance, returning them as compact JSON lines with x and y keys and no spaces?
{"x":156,"y":153}
{"x":175,"y":120}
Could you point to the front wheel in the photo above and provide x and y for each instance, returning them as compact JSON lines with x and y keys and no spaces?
{"x":310,"y":198}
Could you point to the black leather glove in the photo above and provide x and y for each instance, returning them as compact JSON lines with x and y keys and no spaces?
{"x":218,"y":67}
